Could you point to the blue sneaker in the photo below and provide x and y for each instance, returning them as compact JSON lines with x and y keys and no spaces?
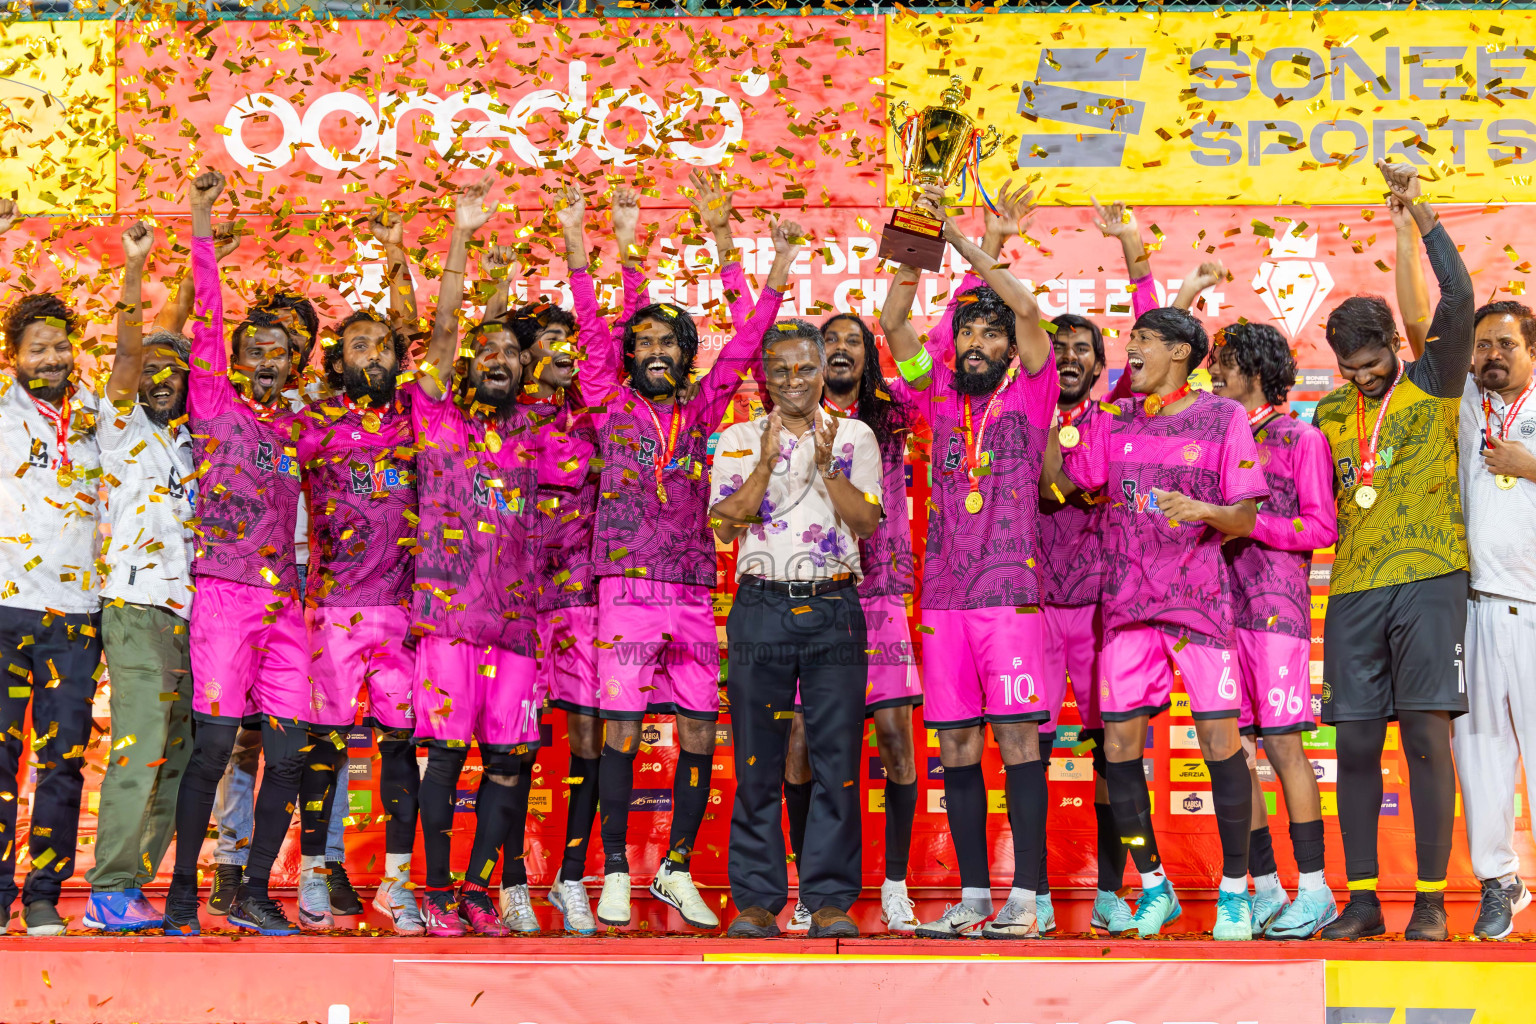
{"x":1309,"y":913}
{"x":1045,"y":914}
{"x":126,"y":911}
{"x":1112,"y":914}
{"x":1158,"y":906}
{"x":1266,"y":907}
{"x":1234,"y":917}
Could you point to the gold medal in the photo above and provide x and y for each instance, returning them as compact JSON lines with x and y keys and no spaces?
{"x":65,"y":477}
{"x":1505,"y":482}
{"x":1153,"y":404}
{"x":371,"y":422}
{"x":1365,"y":496}
{"x":661,"y":493}
{"x":1070,"y":436}
{"x":973,"y":502}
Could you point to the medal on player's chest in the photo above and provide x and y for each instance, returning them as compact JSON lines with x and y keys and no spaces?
{"x":975,"y":458}
{"x":1370,"y":452}
{"x":668,"y":442}
{"x":1365,"y":495}
{"x":1505,"y":483}
{"x":973,"y":502}
{"x":1069,"y":436}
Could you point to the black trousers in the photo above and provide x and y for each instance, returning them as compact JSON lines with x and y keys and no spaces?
{"x":775,"y":641}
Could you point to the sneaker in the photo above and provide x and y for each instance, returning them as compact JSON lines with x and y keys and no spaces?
{"x":959,"y":920}
{"x":613,"y":904}
{"x":896,"y":910}
{"x":1496,"y":914}
{"x":675,"y":888}
{"x":345,"y":900}
{"x":833,"y":923}
{"x":1111,"y":914}
{"x":753,"y":923}
{"x":1427,"y":924}
{"x":1234,"y":917}
{"x":1045,"y":913}
{"x":1311,"y":911}
{"x":180,"y":916}
{"x":42,"y":918}
{"x":480,"y":914}
{"x":569,"y":897}
{"x":1360,"y":919}
{"x":398,"y":903}
{"x":314,"y":904}
{"x":1016,"y":920}
{"x":264,"y":916}
{"x":517,"y":910}
{"x":800,"y":920}
{"x":126,"y":911}
{"x":440,"y":914}
{"x":1266,"y":907}
{"x":1158,"y":906}
{"x":226,"y":882}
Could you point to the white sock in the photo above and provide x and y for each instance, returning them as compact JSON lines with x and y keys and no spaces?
{"x":1235,"y":885}
{"x":1154,"y":878}
{"x":397,"y":867}
{"x":1268,"y":885}
{"x":310,"y":864}
{"x":890,"y":885}
{"x":978,"y":899}
{"x":1028,"y":895}
{"x":1312,"y":880}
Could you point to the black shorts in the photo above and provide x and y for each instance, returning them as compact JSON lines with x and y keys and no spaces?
{"x":1396,"y":648}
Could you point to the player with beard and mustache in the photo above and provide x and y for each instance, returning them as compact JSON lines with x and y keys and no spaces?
{"x":473,"y":609}
{"x":655,"y":556}
{"x":146,"y":456}
{"x":990,"y":423}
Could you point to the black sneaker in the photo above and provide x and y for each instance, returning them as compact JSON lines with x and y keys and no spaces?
{"x":345,"y":902}
{"x":1360,"y":919}
{"x":226,"y":882}
{"x":1428,"y":921}
{"x":262,"y":915}
{"x":181,"y":908}
{"x":1496,"y":915}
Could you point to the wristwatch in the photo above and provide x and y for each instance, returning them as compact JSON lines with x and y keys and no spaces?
{"x":831,"y":471}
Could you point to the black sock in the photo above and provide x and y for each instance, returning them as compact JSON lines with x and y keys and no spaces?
{"x":1359,"y":747}
{"x":399,"y":780}
{"x":1232,"y":793}
{"x":283,"y":753}
{"x":900,"y":810}
{"x":1111,"y":849}
{"x":1431,"y":787}
{"x":211,"y":746}
{"x":1261,"y":852}
{"x":579,"y":815}
{"x":1307,"y":844}
{"x":1132,"y":808}
{"x":317,"y":789}
{"x":1043,"y":887}
{"x":1027,"y":808}
{"x":435,"y":805}
{"x":797,"y":802}
{"x":690,"y":799}
{"x":615,"y":786}
{"x":494,"y":803}
{"x":254,"y":885}
{"x":965,"y":805}
{"x":514,"y":865}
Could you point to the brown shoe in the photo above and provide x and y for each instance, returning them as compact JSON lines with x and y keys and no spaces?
{"x":753,"y":923}
{"x":832,"y":923}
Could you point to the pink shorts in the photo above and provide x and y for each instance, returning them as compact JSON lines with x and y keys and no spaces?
{"x":1074,"y":635}
{"x":893,"y":680}
{"x":639,"y":669}
{"x":476,"y":692}
{"x":1136,"y":676}
{"x":250,"y":653}
{"x":983,"y":664}
{"x":354,"y":648}
{"x":1277,"y":681}
{"x":568,"y":658}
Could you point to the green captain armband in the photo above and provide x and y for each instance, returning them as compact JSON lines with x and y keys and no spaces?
{"x":916,"y":368}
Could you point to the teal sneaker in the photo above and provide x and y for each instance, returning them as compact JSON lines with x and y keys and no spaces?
{"x":1111,"y":914}
{"x":1309,"y":913}
{"x":1267,"y":907}
{"x":1045,"y":914}
{"x":1158,"y":906}
{"x":1234,"y":917}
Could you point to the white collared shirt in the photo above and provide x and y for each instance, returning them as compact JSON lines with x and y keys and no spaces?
{"x":149,"y":550}
{"x":1501,"y":525}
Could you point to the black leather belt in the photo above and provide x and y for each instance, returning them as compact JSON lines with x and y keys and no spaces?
{"x":797,"y":588}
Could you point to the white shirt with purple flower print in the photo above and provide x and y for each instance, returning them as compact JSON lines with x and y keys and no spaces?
{"x":800,"y":536}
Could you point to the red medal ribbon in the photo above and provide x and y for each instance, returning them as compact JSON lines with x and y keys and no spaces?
{"x":1511,"y":412}
{"x":60,"y":418}
{"x":1064,"y":417}
{"x":852,"y":412}
{"x":973,"y":441}
{"x":1368,"y":455}
{"x":1260,"y":414}
{"x":664,"y":458}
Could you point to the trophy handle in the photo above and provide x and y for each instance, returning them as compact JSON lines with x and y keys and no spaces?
{"x":986,"y":149}
{"x":899,"y":109}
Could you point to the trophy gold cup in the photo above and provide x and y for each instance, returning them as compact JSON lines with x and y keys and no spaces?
{"x":938,"y":145}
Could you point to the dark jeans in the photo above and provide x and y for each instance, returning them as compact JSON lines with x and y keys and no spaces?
{"x":772,"y":646}
{"x":55,"y":672}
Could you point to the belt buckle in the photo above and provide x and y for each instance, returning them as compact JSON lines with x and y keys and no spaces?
{"x":801,"y":589}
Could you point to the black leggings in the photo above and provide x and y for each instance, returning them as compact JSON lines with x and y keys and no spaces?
{"x":1431,"y":787}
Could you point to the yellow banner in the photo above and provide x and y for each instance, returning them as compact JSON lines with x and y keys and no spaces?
{"x":1253,"y":107}
{"x":59,"y":98}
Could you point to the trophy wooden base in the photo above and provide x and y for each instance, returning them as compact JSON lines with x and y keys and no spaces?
{"x":913,"y":239}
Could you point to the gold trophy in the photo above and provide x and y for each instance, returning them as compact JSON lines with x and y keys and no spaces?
{"x":938,"y":145}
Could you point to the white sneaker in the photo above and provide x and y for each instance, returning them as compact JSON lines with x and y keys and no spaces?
{"x":1015,"y":921}
{"x":314,"y":902}
{"x":398,"y":903}
{"x":517,"y":909}
{"x":800,"y":921}
{"x":569,"y":897}
{"x":676,"y":889}
{"x":613,"y":904}
{"x":958,"y":921}
{"x":897,"y":910}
